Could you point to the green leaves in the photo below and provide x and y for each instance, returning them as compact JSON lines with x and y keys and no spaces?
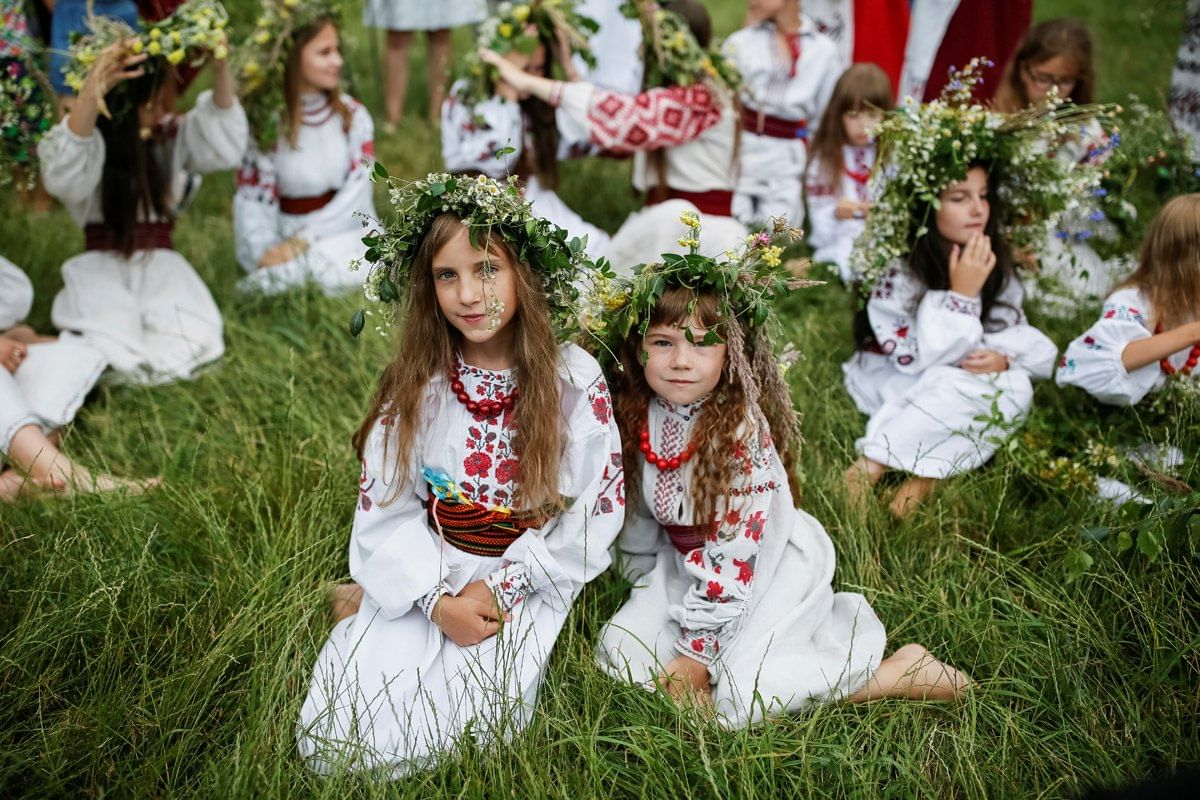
{"x":357,"y":322}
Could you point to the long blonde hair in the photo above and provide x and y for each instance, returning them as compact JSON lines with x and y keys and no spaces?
{"x":291,"y":83}
{"x":427,"y":348}
{"x":718,"y":424}
{"x":1169,"y":270}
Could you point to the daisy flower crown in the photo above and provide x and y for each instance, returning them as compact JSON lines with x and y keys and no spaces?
{"x":507,"y":31}
{"x":746,"y":282}
{"x":671,"y":53}
{"x":925,"y":148}
{"x":491,"y":210}
{"x":195,"y":28}
{"x":262,"y":59}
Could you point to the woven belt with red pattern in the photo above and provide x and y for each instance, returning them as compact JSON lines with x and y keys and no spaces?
{"x":305,"y":205}
{"x":775,"y":127}
{"x":687,"y":538}
{"x":717,"y":202}
{"x":478,"y":530}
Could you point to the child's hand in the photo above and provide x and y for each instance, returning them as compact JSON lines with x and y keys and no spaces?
{"x":984,"y":362}
{"x":12,"y":353}
{"x":283,"y":252}
{"x":970,"y":265}
{"x":511,"y":73}
{"x":116,"y":63}
{"x":479,"y":590}
{"x":467,"y":621}
{"x":686,"y":680}
{"x":850,"y":209}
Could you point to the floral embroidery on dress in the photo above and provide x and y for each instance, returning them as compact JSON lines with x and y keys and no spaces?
{"x":700,"y":645}
{"x":364,"y":499}
{"x":490,"y":467}
{"x":511,"y":585}
{"x":601,"y":405}
{"x":970,"y":306}
{"x":612,"y":490}
{"x":1124,"y":313}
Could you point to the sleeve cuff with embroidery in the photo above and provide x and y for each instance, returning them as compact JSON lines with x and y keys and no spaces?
{"x":971,"y":306}
{"x":701,"y":646}
{"x":511,"y":584}
{"x":430,"y":599}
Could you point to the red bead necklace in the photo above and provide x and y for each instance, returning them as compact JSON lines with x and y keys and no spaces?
{"x":662,"y":462}
{"x":488,"y":407}
{"x":1192,"y":360}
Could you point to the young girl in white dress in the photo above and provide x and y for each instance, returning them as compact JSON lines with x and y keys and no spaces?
{"x":788,"y":70}
{"x":837,"y":185}
{"x":1149,"y":328}
{"x":304,"y":188}
{"x":131,"y":295}
{"x":513,"y":133}
{"x":681,"y":131}
{"x":732,"y":605}
{"x":946,"y":358}
{"x":43,"y":382}
{"x":491,"y":489}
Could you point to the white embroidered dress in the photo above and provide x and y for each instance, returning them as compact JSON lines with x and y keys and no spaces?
{"x":695,"y":129}
{"x":792,"y":83}
{"x":471,"y":140}
{"x":51,"y":383}
{"x":753,"y":601}
{"x":1093,"y":361}
{"x":928,"y":416}
{"x":150,"y":315}
{"x":327,"y":160}
{"x":832,"y":239}
{"x":389,"y":690}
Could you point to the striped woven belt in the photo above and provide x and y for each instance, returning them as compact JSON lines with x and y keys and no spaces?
{"x":476,"y":529}
{"x":687,"y":538}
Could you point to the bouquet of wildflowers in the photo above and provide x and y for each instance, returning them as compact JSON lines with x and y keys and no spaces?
{"x":672,"y":55}
{"x":26,"y":114}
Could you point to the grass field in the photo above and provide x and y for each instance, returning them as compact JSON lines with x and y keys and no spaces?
{"x":161,"y":645}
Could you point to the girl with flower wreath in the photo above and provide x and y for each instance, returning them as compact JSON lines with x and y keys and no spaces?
{"x":491,"y":486}
{"x":490,"y":127}
{"x":43,"y":382}
{"x":837,"y":186}
{"x":115,"y":161}
{"x":732,"y":606}
{"x":1149,"y":327}
{"x":303,"y":188}
{"x":681,"y":130}
{"x":946,"y":357}
{"x":788,"y":70}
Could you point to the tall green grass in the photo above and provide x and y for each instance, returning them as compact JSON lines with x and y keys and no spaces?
{"x":161,"y":645}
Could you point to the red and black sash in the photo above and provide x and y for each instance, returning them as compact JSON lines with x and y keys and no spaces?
{"x":475,"y":529}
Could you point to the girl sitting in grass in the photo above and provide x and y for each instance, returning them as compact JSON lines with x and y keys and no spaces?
{"x":1149,"y":328}
{"x":733,"y":606}
{"x":304,"y":185}
{"x":491,"y":486}
{"x":837,"y":186}
{"x":131,"y":295}
{"x":43,"y":382}
{"x":946,"y":357}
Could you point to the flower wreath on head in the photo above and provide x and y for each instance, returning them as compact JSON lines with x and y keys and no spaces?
{"x":671,"y":54}
{"x":489,"y":209}
{"x":925,"y":148}
{"x":746,"y":283}
{"x":261,"y":60}
{"x":195,"y":28}
{"x":508,"y":30}
{"x":27,"y":112}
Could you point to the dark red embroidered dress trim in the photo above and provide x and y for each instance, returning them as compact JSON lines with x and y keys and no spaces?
{"x":717,"y":202}
{"x":305,"y":205}
{"x":146,"y":236}
{"x":775,"y":127}
{"x":687,"y":538}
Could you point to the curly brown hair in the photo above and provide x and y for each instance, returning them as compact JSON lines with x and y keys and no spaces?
{"x":427,"y":344}
{"x":734,"y":409}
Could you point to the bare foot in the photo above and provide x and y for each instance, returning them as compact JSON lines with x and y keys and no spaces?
{"x":910,"y":495}
{"x":344,"y":600}
{"x":14,"y":485}
{"x":861,"y":478}
{"x":27,"y":335}
{"x":913,"y":673}
{"x":111,"y":483}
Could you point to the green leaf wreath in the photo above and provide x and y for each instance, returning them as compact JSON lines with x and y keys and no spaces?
{"x":671,"y":54}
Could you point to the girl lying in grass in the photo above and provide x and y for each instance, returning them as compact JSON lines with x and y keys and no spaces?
{"x":733,"y":605}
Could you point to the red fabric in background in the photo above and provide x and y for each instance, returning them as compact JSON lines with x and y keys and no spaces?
{"x":989,"y":28}
{"x":880,"y":35}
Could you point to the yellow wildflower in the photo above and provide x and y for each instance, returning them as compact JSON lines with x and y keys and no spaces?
{"x":291,"y":3}
{"x":250,"y":69}
{"x":137,"y":46}
{"x":505,"y":30}
{"x":771,"y":256}
{"x":154,"y":48}
{"x":155,"y":33}
{"x":221,"y":52}
{"x":176,"y":38}
{"x":262,"y":37}
{"x":521,"y":13}
{"x":175,"y":56}
{"x":691,"y":219}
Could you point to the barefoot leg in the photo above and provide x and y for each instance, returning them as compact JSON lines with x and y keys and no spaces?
{"x":396,"y":74}
{"x":37,"y":456}
{"x":910,"y":495}
{"x":344,"y":600}
{"x":436,"y":64}
{"x":912,"y":673}
{"x":861,"y":477}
